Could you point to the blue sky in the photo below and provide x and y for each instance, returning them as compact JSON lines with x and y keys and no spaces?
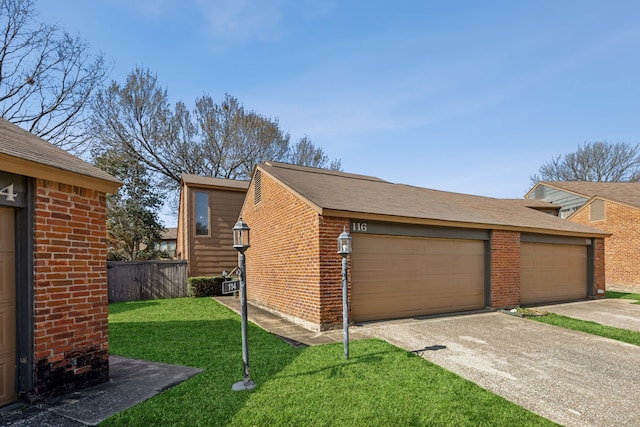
{"x":464,"y":96}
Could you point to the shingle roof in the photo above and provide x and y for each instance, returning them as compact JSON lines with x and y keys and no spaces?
{"x":358,"y":194}
{"x":21,"y":144}
{"x":534,"y":203}
{"x":210,"y":182}
{"x":623,"y":192}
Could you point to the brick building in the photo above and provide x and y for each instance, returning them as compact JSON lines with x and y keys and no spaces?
{"x":613,"y":207}
{"x":416,"y":251}
{"x":53,"y":278}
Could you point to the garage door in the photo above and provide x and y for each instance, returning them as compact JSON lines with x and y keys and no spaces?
{"x":395,"y":277}
{"x":551,"y":273}
{"x":7,"y":308}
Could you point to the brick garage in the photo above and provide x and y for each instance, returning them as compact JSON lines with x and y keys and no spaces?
{"x":416,"y":251}
{"x":53,"y":262}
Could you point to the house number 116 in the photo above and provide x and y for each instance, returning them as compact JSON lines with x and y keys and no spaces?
{"x":359,"y":226}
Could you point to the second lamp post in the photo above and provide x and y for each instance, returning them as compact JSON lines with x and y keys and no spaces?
{"x":344,"y":249}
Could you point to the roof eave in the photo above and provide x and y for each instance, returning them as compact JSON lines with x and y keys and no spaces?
{"x":29,"y":168}
{"x":460,"y":224}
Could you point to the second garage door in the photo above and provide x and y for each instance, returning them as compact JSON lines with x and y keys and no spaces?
{"x":395,"y":277}
{"x":552,"y":273}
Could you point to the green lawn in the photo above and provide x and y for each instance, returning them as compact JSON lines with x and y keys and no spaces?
{"x":626,"y":295}
{"x":380,"y":385}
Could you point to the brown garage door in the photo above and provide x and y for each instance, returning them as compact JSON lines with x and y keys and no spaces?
{"x":551,"y":273}
{"x":7,"y":308}
{"x":395,"y":277}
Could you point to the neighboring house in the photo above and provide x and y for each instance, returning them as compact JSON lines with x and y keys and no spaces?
{"x":168,"y":241}
{"x":613,"y":207}
{"x":416,"y":251}
{"x":209,"y":208}
{"x":53,"y":268}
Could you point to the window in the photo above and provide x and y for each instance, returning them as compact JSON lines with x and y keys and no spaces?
{"x":202,"y":214}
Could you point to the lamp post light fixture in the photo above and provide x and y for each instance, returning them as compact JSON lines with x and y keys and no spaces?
{"x":241,"y":243}
{"x":344,"y":249}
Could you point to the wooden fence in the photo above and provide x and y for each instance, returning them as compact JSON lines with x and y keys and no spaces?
{"x":143,"y":280}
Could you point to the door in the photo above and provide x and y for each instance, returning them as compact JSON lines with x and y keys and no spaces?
{"x":7,"y":307}
{"x":552,"y":273}
{"x":395,"y":277}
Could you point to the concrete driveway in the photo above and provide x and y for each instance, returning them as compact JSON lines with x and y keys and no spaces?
{"x":572,"y":378}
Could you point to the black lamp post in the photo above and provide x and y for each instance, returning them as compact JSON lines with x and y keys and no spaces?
{"x":344,"y":249}
{"x":241,"y":243}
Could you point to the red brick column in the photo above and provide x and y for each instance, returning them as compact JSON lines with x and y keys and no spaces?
{"x":505,"y":269}
{"x":70,"y":288}
{"x":599,"y":278}
{"x":331,"y":272}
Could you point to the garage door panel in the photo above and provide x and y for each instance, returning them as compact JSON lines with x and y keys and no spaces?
{"x":551,"y":273}
{"x":394,"y":277}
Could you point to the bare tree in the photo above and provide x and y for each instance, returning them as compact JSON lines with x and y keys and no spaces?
{"x":594,"y":161}
{"x":46,"y":76}
{"x":304,"y":153}
{"x":234,"y":140}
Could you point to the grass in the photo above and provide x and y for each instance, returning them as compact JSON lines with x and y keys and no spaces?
{"x":631,"y":337}
{"x":380,"y":385}
{"x":626,"y":295}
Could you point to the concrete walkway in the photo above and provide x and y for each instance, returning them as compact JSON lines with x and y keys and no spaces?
{"x":290,"y":332}
{"x":131,"y":381}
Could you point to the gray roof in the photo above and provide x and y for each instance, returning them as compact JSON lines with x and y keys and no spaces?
{"x":211,"y":182}
{"x":623,"y":192}
{"x":358,"y":194}
{"x":19,"y":143}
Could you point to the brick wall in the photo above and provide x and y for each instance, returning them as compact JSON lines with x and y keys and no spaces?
{"x":622,"y":249}
{"x":505,"y":269}
{"x":70,"y":288}
{"x":283,"y":262}
{"x":331,"y":272}
{"x":599,"y":268}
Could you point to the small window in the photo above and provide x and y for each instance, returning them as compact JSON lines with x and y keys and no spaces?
{"x":202,"y":214}
{"x":596,"y":210}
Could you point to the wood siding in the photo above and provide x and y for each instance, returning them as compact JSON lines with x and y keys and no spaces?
{"x":210,"y":255}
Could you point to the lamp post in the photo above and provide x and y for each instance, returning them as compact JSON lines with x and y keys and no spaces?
{"x":344,"y":249}
{"x":241,"y":243}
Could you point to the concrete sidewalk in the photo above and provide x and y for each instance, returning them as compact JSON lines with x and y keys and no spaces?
{"x":131,"y":382}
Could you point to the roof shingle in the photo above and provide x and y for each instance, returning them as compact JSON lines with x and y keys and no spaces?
{"x":21,"y":144}
{"x":358,"y":194}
